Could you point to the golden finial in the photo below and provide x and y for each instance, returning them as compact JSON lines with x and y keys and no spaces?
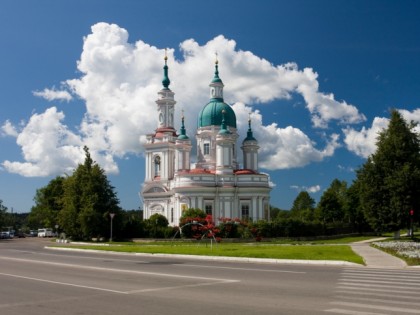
{"x":182,"y":113}
{"x":217,"y":61}
{"x":166,"y":55}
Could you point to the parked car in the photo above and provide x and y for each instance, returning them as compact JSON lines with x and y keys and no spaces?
{"x":33,"y":233}
{"x":5,"y":235}
{"x":47,"y":232}
{"x":20,"y":234}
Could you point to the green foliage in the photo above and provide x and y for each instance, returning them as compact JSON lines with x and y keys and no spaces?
{"x":331,"y":206}
{"x":87,"y":199}
{"x":390,"y":179}
{"x":156,"y":226}
{"x":3,"y":214}
{"x":132,"y":225}
{"x":353,"y":209}
{"x":193,"y":213}
{"x":48,"y":203}
{"x":274,"y":211}
{"x":303,"y":207}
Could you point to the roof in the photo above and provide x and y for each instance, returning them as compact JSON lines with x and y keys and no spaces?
{"x":212,"y":114}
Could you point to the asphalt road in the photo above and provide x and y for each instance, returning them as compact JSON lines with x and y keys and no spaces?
{"x":35,"y":280}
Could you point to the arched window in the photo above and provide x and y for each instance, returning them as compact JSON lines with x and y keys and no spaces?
{"x":206,"y":148}
{"x":157,"y":165}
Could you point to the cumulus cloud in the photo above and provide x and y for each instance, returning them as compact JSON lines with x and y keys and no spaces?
{"x":283,"y":148}
{"x":311,"y":189}
{"x":362,"y":141}
{"x":9,"y":130}
{"x":53,"y":94}
{"x":119,"y":82}
{"x":413,"y":116}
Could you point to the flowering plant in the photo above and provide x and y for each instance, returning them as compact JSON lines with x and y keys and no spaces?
{"x":408,"y":250}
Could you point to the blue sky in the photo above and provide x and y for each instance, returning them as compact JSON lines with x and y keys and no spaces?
{"x":318,"y":78}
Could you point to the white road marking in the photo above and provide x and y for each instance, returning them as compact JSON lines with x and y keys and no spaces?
{"x":82,"y":257}
{"x":349,"y":312}
{"x":377,"y":300}
{"x":237,"y":268}
{"x":353,"y":287}
{"x":378,"y":307}
{"x":404,"y":282}
{"x":63,"y":283}
{"x":364,"y":285}
{"x":117,"y":270}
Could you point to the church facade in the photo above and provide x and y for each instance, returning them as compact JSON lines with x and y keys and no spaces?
{"x":214,"y":183}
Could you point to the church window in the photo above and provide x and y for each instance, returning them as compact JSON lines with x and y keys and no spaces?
{"x":172,"y":215}
{"x":245,"y":211}
{"x":157,"y":165}
{"x":209,"y":209}
{"x":206,"y":148}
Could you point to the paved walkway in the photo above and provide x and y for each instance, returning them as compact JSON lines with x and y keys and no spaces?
{"x":376,"y":258}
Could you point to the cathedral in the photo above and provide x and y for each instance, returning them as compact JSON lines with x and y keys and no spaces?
{"x":213,"y":181}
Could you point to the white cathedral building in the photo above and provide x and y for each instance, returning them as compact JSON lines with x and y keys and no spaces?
{"x":213,"y":183}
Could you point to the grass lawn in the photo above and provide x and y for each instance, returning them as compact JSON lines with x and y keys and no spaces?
{"x":253,"y":250}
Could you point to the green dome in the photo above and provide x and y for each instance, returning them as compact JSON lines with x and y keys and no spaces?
{"x":212,"y":114}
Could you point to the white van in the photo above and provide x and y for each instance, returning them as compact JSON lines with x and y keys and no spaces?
{"x":45,"y":232}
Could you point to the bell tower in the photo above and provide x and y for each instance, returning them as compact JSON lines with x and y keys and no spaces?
{"x":160,"y":146}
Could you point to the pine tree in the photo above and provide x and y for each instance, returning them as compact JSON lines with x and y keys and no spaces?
{"x":88,"y":200}
{"x":390,"y":179}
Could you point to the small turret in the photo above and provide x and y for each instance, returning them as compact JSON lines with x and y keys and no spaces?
{"x":183,"y":149}
{"x":250,"y":150}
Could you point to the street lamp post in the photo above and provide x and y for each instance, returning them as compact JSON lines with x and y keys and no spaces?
{"x":112,"y":217}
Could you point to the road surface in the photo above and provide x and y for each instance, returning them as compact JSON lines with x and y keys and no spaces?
{"x":39,"y":281}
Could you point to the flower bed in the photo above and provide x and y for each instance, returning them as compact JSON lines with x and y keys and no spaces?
{"x":409,"y":251}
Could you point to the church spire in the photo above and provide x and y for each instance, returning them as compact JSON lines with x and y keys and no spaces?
{"x":216,"y":85}
{"x":249,"y":135}
{"x":165,"y":81}
{"x":216,"y":71}
{"x":183,"y":135}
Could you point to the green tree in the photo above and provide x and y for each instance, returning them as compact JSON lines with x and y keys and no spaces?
{"x":48,"y":203}
{"x":156,"y":225}
{"x":132,"y":225}
{"x":303,"y":207}
{"x":3,"y":214}
{"x":332,"y":202}
{"x":88,"y":200}
{"x":353,"y":208}
{"x":390,"y":179}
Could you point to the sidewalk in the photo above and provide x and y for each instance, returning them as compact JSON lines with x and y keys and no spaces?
{"x":376,"y":258}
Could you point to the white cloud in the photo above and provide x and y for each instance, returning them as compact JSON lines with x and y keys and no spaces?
{"x":311,"y":189}
{"x":49,"y":148}
{"x":412,"y":116}
{"x":324,"y":107}
{"x":119,"y":82}
{"x":9,"y":130}
{"x":363,"y":142}
{"x":282,"y":148}
{"x":53,"y":94}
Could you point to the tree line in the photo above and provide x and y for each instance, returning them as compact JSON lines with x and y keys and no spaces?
{"x":384,"y":197}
